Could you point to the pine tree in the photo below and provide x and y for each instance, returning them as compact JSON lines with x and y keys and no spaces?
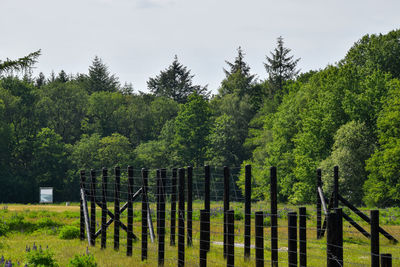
{"x":280,"y":67}
{"x":175,"y":82}
{"x":238,"y":78}
{"x":21,"y":64}
{"x":100,"y":79}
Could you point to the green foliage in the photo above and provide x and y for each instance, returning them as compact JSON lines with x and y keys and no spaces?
{"x":175,"y":82}
{"x":383,"y":185}
{"x":69,"y":232}
{"x":99,"y":78}
{"x":40,"y":258}
{"x":238,"y":79}
{"x":191,"y":130}
{"x":85,"y":260}
{"x":377,"y":51}
{"x":3,"y":228}
{"x":280,"y":68}
{"x":352,"y":147}
{"x":21,"y":64}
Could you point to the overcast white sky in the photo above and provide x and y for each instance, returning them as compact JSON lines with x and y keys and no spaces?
{"x":138,"y":38}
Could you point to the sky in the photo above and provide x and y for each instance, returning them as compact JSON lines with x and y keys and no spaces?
{"x":137,"y":39}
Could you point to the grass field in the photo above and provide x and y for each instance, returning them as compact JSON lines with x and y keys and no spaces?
{"x":42,"y":223}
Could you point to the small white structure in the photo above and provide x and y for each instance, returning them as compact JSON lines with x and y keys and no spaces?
{"x":46,"y":194}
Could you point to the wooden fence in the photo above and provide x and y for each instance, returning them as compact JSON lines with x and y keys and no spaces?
{"x":181,"y":191}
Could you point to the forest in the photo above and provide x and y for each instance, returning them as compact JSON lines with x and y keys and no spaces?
{"x":346,"y":114}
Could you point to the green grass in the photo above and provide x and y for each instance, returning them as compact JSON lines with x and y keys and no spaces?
{"x":42,"y":224}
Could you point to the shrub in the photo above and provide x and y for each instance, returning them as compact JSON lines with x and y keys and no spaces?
{"x":3,"y":228}
{"x":69,"y":232}
{"x":39,"y":257}
{"x":46,"y":223}
{"x":239,"y":215}
{"x":85,"y":260}
{"x":267,"y":221}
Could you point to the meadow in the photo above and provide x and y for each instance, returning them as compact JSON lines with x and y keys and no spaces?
{"x":44,"y":226}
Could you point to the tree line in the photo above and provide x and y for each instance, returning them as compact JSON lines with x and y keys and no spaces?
{"x":346,"y":114}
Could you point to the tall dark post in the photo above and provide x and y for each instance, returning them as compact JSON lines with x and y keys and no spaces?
{"x":117,"y":187}
{"x":189,"y":204}
{"x":259,"y":235}
{"x":374,"y":238}
{"x":226,"y":205}
{"x":158,"y":178}
{"x":173,"y":207}
{"x":274,"y":218}
{"x":181,"y":218}
{"x":92,"y":207}
{"x":104,"y":209}
{"x":144,"y":213}
{"x":82,"y":225}
{"x":303,"y":236}
{"x":339,"y":235}
{"x":331,"y":240}
{"x":130,"y":212}
{"x":386,"y":260}
{"x":207,"y":177}
{"x":336,"y":186}
{"x":292,"y":238}
{"x":204,"y":218}
{"x":319,"y":221}
{"x":230,"y":247}
{"x":161,"y":236}
{"x":247,"y":212}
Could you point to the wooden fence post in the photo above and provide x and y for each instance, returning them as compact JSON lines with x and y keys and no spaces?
{"x":92,"y":207}
{"x":158,"y":178}
{"x":117,"y":187}
{"x":259,"y":236}
{"x":374,"y":238}
{"x":144,"y":213}
{"x":336,"y":187}
{"x":274,"y":218}
{"x":181,"y":219}
{"x":386,"y":260}
{"x":303,"y":236}
{"x":207,"y":177}
{"x":331,"y":238}
{"x":339,"y":236}
{"x":173,"y":207}
{"x":203,"y":237}
{"x":247,"y":212}
{"x":130,"y":212}
{"x":82,"y":214}
{"x":292,"y":238}
{"x":319,"y":221}
{"x":104,"y":209}
{"x":230,"y":247}
{"x":161,"y":236}
{"x":189,"y":204}
{"x":226,"y":205}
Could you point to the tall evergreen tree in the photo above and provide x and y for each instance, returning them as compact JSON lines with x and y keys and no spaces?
{"x":100,"y":79}
{"x":238,"y":78}
{"x":280,"y":67}
{"x":21,"y":64}
{"x":175,"y":82}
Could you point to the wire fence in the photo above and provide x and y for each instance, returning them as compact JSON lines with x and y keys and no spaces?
{"x":200,"y":216}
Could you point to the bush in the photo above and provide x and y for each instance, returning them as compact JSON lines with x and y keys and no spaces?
{"x":69,"y":232}
{"x":267,"y":221}
{"x":46,"y":223}
{"x":39,"y":257}
{"x":3,"y":228}
{"x":85,"y":260}
{"x":239,"y":215}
